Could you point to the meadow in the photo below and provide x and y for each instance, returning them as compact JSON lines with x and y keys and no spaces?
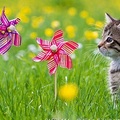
{"x":27,"y":88}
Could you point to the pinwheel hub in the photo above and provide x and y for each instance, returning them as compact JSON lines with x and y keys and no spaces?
{"x":2,"y":31}
{"x":53,"y":48}
{"x":11,"y":28}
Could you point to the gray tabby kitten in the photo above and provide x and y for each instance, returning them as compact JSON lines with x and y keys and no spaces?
{"x":110,"y":47}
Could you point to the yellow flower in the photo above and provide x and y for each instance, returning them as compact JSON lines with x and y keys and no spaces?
{"x":31,"y":54}
{"x":83,"y":14}
{"x":55,"y":24}
{"x":95,"y":35}
{"x":37,"y":21}
{"x":48,"y":9}
{"x":71,"y":31}
{"x":90,"y":21}
{"x":89,"y":35}
{"x":49,"y":32}
{"x":23,"y":14}
{"x":33,"y":35}
{"x":99,"y":24}
{"x":68,"y":92}
{"x":72,"y":11}
{"x":23,"y":17}
{"x":7,"y":11}
{"x":26,"y":10}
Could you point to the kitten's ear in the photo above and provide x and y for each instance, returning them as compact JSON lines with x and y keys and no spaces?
{"x":108,"y":18}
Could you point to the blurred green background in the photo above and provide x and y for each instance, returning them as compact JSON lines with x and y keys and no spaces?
{"x":76,"y":17}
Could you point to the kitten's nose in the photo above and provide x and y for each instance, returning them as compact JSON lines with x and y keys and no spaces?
{"x":100,"y":44}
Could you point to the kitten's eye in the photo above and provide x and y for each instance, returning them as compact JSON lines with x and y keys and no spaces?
{"x":109,"y":40}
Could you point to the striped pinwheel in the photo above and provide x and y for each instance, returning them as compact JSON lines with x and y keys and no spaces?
{"x":56,"y":52}
{"x":8,"y":33}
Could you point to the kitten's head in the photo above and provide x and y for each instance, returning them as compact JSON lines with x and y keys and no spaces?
{"x":110,"y":44}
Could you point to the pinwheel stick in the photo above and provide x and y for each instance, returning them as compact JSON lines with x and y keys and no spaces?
{"x":55,"y":85}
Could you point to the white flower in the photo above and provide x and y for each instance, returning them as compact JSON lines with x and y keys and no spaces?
{"x":73,"y":56}
{"x":80,"y":45}
{"x":33,"y":67}
{"x":32,"y":48}
{"x":20,"y":54}
{"x":66,"y":79}
{"x":5,"y":57}
{"x":55,"y":24}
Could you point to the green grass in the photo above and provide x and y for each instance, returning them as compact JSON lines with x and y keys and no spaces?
{"x":27,"y":89}
{"x":28,"y":93}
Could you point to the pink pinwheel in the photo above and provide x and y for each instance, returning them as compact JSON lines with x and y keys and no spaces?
{"x":56,"y":52}
{"x":8,"y":33}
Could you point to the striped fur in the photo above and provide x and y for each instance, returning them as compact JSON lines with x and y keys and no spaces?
{"x":110,"y":47}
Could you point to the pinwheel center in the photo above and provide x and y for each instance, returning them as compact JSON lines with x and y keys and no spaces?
{"x":11,"y":28}
{"x":2,"y":31}
{"x":53,"y":48}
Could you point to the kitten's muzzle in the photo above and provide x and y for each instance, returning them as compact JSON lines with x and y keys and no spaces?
{"x":100,"y":44}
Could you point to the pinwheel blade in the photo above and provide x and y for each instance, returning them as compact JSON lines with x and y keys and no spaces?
{"x":14,"y":21}
{"x":42,"y":56}
{"x":5,"y":45}
{"x":65,"y":61}
{"x":45,"y":44}
{"x":56,"y":58}
{"x":4,"y":19}
{"x":58,"y":37}
{"x":52,"y":66}
{"x":2,"y":28}
{"x":69,"y":47}
{"x":16,"y":39}
{"x":3,"y":36}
